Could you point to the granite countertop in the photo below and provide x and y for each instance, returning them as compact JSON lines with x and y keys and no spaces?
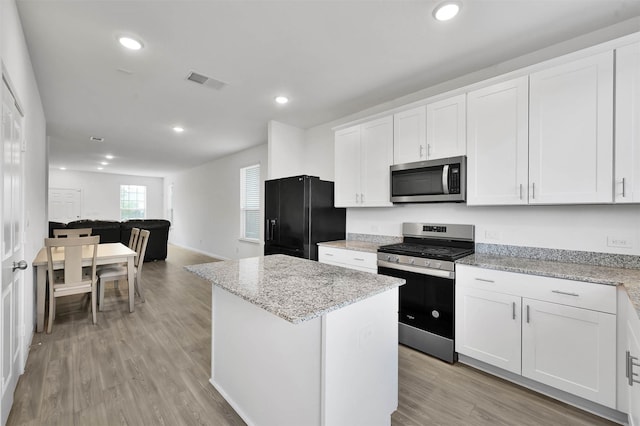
{"x":627,"y":277}
{"x":294,"y":289}
{"x":366,"y":246}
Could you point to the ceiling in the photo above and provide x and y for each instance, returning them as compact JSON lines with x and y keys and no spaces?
{"x":331,"y":58}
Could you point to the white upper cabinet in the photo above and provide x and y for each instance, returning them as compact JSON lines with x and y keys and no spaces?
{"x":347,"y":166}
{"x":410,"y":135}
{"x":497,"y":143}
{"x":446,"y":127}
{"x":571,"y":132}
{"x":627,"y":135}
{"x":363,"y":155}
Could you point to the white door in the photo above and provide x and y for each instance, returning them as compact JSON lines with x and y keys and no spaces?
{"x":488,"y":327}
{"x":498,"y":143}
{"x":347,"y":167}
{"x":64,"y":204}
{"x":446,"y":128}
{"x":410,"y":135}
{"x":571,"y":349}
{"x":571,"y":132}
{"x":11,"y":234}
{"x":376,"y":147}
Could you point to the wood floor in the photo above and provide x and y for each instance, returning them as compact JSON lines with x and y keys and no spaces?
{"x":152,"y":368}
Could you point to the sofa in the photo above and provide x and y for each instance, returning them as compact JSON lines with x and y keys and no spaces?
{"x":113,"y":231}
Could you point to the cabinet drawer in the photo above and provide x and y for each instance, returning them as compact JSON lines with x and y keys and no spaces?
{"x":580,"y":294}
{"x":362,"y":261}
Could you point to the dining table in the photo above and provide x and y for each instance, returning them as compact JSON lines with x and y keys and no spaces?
{"x":108,"y":254}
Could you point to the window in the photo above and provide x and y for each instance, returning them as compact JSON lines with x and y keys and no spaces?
{"x":133,"y":202}
{"x":250,"y":202}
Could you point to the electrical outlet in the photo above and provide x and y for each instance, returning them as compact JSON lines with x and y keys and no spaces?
{"x":618,"y":241}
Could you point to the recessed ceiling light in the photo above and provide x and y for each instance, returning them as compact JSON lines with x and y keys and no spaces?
{"x":63,"y":168}
{"x":178,"y":129}
{"x":100,"y":168}
{"x":282,"y":100}
{"x":446,"y":10}
{"x":104,"y":163}
{"x":109,"y":157}
{"x":130,"y":43}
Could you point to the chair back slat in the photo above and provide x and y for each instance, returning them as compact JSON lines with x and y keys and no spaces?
{"x":133,"y":239}
{"x":70,"y":232}
{"x":73,"y":250}
{"x":142,"y":249}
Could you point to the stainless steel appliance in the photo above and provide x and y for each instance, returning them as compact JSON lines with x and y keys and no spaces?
{"x":299,"y":213}
{"x":425,"y":259}
{"x":431,"y":181}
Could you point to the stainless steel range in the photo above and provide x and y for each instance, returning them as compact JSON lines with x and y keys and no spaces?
{"x":425,"y":259}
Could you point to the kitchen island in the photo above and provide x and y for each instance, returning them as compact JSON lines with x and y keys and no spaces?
{"x":297,"y":342}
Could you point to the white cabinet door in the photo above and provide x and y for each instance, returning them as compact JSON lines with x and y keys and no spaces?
{"x":571,"y":349}
{"x":497,"y":143}
{"x":633,"y":345}
{"x":488,"y":327}
{"x":410,"y":135}
{"x":376,"y":158}
{"x":347,"y":167}
{"x":446,"y":127}
{"x":627,"y":143}
{"x":571,"y":132}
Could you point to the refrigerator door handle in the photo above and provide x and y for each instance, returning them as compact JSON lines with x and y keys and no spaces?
{"x":267,"y":229}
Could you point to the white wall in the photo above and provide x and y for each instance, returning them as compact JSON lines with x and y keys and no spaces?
{"x":15,"y":59}
{"x":206,"y":205}
{"x":285,"y":145}
{"x":101,"y":192}
{"x":564,"y":227}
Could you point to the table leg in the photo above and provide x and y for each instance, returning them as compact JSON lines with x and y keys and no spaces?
{"x":41,"y":283}
{"x":132,"y":291}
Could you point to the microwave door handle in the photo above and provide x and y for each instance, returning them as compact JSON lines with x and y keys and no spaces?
{"x":445,"y":179}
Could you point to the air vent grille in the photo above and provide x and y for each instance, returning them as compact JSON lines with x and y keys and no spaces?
{"x":96,"y":139}
{"x":205,"y":81}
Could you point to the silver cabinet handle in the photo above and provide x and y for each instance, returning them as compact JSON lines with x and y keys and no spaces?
{"x":358,"y":259}
{"x":328,"y":254}
{"x":565,"y":293}
{"x":624,"y":192}
{"x":421,"y":152}
{"x":485,"y":281}
{"x":632,"y":362}
{"x":521,"y":191}
{"x":513,"y":310}
{"x":533,"y":190}
{"x":357,"y":201}
{"x":361,"y":197}
{"x":527,"y":314}
{"x":429,"y":150}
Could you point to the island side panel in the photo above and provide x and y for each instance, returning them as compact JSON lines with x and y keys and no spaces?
{"x":268,"y":369}
{"x":360,"y":362}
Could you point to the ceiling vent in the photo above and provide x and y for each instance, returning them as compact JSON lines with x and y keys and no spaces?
{"x":206,"y":81}
{"x":96,"y":139}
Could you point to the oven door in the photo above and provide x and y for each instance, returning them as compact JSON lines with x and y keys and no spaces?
{"x":426,"y":302}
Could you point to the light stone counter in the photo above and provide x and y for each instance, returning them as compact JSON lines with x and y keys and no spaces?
{"x":627,"y":277}
{"x":355,"y":245}
{"x":294,"y":289}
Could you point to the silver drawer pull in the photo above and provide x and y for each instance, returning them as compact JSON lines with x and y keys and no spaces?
{"x":328,"y":254}
{"x":411,"y":317}
{"x":513,"y":315}
{"x":565,"y":293}
{"x":632,"y":362}
{"x":358,"y":259}
{"x":485,"y":281}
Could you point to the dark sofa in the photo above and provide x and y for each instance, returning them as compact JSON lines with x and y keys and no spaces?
{"x":112,"y":232}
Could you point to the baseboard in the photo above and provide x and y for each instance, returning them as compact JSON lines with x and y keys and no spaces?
{"x":217,"y":256}
{"x":581,"y":403}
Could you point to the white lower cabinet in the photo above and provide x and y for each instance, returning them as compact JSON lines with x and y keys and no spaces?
{"x":352,"y":259}
{"x":540,"y":328}
{"x":630,"y":355}
{"x":571,"y":349}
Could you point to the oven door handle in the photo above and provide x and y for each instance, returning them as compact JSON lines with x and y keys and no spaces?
{"x":417,"y":270}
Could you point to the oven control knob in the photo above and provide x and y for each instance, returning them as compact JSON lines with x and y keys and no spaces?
{"x":435,"y":314}
{"x":437,"y":265}
{"x":396,"y":259}
{"x":412,"y":261}
{"x":427,"y":263}
{"x":388,"y":258}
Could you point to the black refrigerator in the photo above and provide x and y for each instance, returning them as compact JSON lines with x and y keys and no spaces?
{"x":299,"y":213}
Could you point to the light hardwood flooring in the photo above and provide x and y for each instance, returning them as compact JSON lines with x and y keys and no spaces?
{"x":152,"y":368}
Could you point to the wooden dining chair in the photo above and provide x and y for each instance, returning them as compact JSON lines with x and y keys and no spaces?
{"x":70,"y":232}
{"x":133,"y":238}
{"x":75,"y":279}
{"x":120,"y":273}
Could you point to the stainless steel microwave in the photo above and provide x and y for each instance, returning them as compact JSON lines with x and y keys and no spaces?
{"x":430,"y":181}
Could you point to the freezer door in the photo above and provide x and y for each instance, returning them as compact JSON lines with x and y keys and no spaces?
{"x":293,"y":222}
{"x":271,"y":211}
